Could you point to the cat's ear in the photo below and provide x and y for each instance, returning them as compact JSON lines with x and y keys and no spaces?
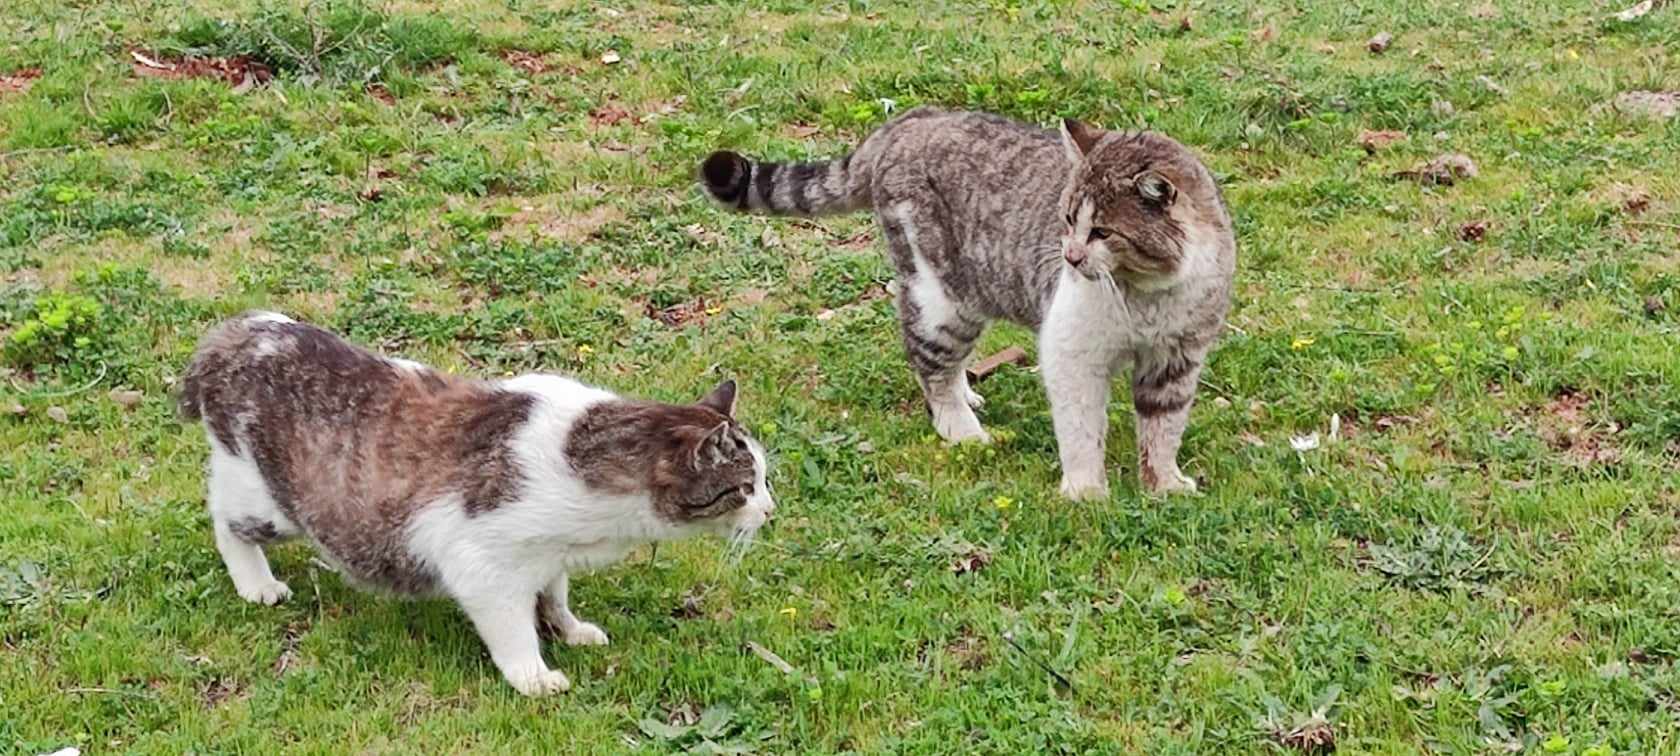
{"x":722,"y":398}
{"x":713,"y":449}
{"x":1155,"y":188}
{"x":1078,"y":138}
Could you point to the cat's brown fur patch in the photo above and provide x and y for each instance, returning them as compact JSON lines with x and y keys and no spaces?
{"x":351,"y":444}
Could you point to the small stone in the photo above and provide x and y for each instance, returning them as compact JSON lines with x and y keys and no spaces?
{"x":1490,"y":85}
{"x":610,"y":57}
{"x":1443,"y":108}
{"x":1654,"y":305}
{"x":1473,"y":231}
{"x":126,"y":398}
{"x":58,"y":414}
{"x":17,"y":410}
{"x":1651,"y":104}
{"x":1379,"y":44}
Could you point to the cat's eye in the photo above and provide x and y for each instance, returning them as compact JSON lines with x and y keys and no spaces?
{"x":747,"y":490}
{"x":1099,"y":234}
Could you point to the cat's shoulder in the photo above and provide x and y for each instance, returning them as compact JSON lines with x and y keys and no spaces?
{"x":558,"y":393}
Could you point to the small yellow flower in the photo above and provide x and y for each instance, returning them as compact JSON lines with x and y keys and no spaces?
{"x":713,"y":310}
{"x":584,"y":350}
{"x":1572,"y":54}
{"x":1003,"y":502}
{"x":789,"y":612}
{"x":1300,"y":343}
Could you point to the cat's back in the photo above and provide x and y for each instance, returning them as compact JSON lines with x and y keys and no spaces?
{"x":257,"y":364}
{"x":965,"y":148}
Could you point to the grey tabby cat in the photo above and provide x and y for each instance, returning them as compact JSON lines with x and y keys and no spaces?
{"x":1115,"y":247}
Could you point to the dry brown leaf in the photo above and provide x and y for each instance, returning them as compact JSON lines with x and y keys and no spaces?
{"x":528,"y":62}
{"x":58,"y":415}
{"x":680,"y":315}
{"x":973,"y":561}
{"x":1314,"y":736}
{"x":1444,"y":170}
{"x":1473,"y":231}
{"x":378,"y":92}
{"x":1373,"y":141}
{"x":608,"y":114}
{"x":19,"y":81}
{"x":803,"y":131}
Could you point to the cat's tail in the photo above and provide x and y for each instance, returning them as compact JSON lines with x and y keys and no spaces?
{"x":827,"y":187}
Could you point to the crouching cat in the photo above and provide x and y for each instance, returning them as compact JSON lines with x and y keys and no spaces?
{"x":417,"y":482}
{"x":1115,"y":247}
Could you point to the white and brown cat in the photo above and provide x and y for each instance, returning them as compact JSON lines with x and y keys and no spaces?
{"x":417,"y":482}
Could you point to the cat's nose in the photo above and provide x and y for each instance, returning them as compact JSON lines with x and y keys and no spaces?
{"x":1075,"y":254}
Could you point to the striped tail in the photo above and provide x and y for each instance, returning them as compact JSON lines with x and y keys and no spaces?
{"x":823,"y":188}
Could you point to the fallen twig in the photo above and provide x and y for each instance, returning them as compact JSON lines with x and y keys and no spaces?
{"x":778,"y":662}
{"x":60,"y":394}
{"x":1060,"y":678}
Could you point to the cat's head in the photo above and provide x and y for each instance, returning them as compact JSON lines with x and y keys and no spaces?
{"x":1138,"y":206}
{"x":698,"y":467}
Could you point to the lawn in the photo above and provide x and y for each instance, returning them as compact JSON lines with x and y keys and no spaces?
{"x":1479,"y":554}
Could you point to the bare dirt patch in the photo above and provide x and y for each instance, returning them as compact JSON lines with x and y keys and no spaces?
{"x":1566,"y":427}
{"x":218,"y":691}
{"x":547,"y":221}
{"x":683,"y":314}
{"x":240,"y":71}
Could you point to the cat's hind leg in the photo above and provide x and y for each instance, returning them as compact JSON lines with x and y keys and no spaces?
{"x":245,"y":518}
{"x":939,"y":333}
{"x":576,"y":632}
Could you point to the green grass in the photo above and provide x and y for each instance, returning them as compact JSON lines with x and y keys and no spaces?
{"x":1486,"y":556}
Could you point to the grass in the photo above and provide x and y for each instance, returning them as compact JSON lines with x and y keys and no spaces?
{"x":1484,"y":558}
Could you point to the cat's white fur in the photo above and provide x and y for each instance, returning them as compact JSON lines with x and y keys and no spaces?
{"x":950,"y":399}
{"x":495,"y":563}
{"x":1091,"y":332}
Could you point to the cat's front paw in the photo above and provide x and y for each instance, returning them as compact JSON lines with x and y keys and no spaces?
{"x":538,"y":680}
{"x":974,"y":399}
{"x":267,"y":594}
{"x":585,"y":634}
{"x":1076,"y":490}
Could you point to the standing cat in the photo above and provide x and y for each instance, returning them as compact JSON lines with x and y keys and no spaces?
{"x":1115,"y":247}
{"x":418,"y":482}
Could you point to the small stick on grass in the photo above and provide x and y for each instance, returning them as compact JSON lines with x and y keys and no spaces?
{"x":778,"y":662}
{"x":1060,"y":678}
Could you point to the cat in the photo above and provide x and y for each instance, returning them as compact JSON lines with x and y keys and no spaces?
{"x":416,"y":482}
{"x":1115,"y":247}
